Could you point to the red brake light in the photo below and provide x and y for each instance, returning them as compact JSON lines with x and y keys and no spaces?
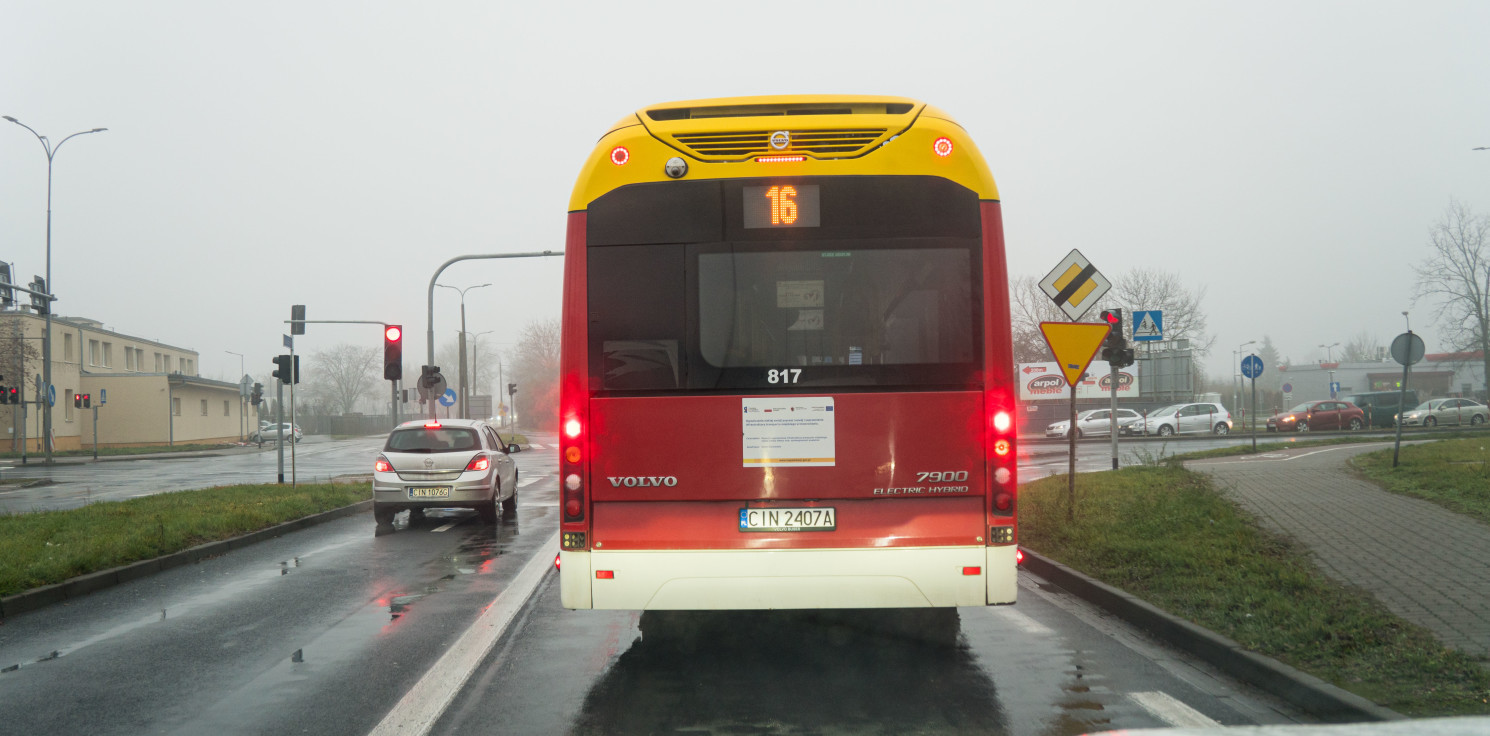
{"x":382,"y":465}
{"x":571,"y":428}
{"x":778,"y":159}
{"x":432,"y":424}
{"x":1002,"y":421}
{"x":480,"y":462}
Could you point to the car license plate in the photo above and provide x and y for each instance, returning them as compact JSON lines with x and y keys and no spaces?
{"x":817,"y":519}
{"x":430,"y":492}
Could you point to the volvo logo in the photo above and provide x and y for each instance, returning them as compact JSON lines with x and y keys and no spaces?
{"x":780,"y":140}
{"x":643,"y":481}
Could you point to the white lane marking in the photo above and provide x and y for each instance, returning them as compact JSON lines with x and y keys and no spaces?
{"x":424,"y":703}
{"x":1166,"y":708}
{"x":1019,"y":620}
{"x":536,"y":446}
{"x":529,"y":481}
{"x":445,"y":526}
{"x":1306,"y":454}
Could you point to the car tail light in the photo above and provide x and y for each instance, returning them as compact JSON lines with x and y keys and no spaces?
{"x":480,"y":462}
{"x":382,"y":465}
{"x":433,"y":424}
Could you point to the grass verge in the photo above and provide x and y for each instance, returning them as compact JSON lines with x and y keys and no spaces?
{"x":1298,"y":441}
{"x":1164,"y":534}
{"x":1454,"y":474}
{"x":118,"y":451}
{"x":48,"y":547}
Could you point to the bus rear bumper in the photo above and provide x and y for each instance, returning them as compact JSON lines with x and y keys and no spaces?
{"x":899,"y":577}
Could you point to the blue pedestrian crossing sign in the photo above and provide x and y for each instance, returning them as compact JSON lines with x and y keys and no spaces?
{"x":1252,"y":366}
{"x":1148,"y":326}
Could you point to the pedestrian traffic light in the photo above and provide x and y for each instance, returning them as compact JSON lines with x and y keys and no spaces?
{"x":393,"y":352}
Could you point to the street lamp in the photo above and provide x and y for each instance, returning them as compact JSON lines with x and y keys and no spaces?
{"x":46,"y":341}
{"x":241,"y":413}
{"x":476,"y":355}
{"x":1329,"y":351}
{"x":464,"y":408}
{"x":1236,"y":375}
{"x":1404,"y":315}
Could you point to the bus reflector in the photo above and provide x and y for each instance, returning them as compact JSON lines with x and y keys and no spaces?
{"x":1003,"y":501}
{"x":619,"y":155}
{"x":778,"y":159}
{"x":942,"y":147}
{"x":571,"y":428}
{"x":972,"y":571}
{"x":572,"y":454}
{"x":605,"y":574}
{"x":572,"y":507}
{"x":1001,"y":448}
{"x":1002,"y":421}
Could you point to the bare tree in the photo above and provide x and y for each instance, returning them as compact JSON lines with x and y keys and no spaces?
{"x":1149,"y":289}
{"x":341,"y":376}
{"x":1029,"y":306}
{"x":1362,"y":347}
{"x":536,"y":372}
{"x":1456,"y":277}
{"x":16,"y":352}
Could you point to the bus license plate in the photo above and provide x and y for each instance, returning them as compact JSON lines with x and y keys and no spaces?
{"x":431,"y":492}
{"x":788,"y":520}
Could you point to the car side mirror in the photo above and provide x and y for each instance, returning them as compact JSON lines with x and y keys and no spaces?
{"x":514,"y":448}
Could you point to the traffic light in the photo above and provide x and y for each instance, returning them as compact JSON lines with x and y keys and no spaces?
{"x":87,"y":401}
{"x":512,"y":388}
{"x":77,"y":401}
{"x":7,"y":294}
{"x":287,"y":368}
{"x":1115,"y":347}
{"x":257,"y":396}
{"x":297,"y":319}
{"x":393,"y":352}
{"x":38,"y":302}
{"x":14,"y":395}
{"x":4,"y":395}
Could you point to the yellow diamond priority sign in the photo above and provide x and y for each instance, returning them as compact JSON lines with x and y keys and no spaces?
{"x":1074,"y":344}
{"x":1075,"y":284}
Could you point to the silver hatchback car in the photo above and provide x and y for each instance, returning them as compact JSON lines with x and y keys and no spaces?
{"x":451,"y":463}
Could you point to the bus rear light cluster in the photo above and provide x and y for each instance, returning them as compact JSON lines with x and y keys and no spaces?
{"x":1001,"y":535}
{"x":572,"y":428}
{"x":572,"y":540}
{"x":1002,"y":476}
{"x":572,"y":455}
{"x":1003,"y":501}
{"x":1001,"y":447}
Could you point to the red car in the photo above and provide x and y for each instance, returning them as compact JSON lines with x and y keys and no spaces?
{"x":1318,"y":416}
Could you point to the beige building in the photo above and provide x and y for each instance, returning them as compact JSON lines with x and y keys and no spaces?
{"x":153,"y":393}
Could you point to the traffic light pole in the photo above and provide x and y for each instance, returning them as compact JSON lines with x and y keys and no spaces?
{"x":279,"y":425}
{"x":1113,"y":426}
{"x":430,"y":325}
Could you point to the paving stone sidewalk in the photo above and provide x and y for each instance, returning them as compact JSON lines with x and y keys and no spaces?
{"x":1425,"y":563}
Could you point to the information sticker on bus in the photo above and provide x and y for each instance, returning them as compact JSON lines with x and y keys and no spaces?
{"x":818,"y":519}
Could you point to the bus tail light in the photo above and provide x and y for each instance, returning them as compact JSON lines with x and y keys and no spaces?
{"x":572,"y":429}
{"x":572,"y":455}
{"x":942,"y":147}
{"x":1003,"y":501}
{"x":1001,"y":447}
{"x":480,"y":462}
{"x":1002,"y":421}
{"x":619,"y":155}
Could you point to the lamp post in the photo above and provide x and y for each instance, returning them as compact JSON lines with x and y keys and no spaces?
{"x":46,"y":342}
{"x":1236,"y":376}
{"x":464,"y":408}
{"x":476,"y":356}
{"x":242,"y":418}
{"x":1329,"y":351}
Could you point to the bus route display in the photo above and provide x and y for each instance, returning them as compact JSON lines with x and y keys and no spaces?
{"x":782,"y":205}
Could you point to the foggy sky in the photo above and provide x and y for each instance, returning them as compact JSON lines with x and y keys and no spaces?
{"x":1288,"y":160}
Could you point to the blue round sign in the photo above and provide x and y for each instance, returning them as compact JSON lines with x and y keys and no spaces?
{"x":447,"y":398}
{"x":51,"y":395}
{"x":1252,"y":366}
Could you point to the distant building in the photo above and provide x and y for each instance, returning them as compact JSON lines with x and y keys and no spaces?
{"x":154,"y":395}
{"x":1437,"y":375}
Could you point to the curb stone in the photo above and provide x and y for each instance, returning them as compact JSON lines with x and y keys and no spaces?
{"x":1315,"y":696}
{"x":71,"y":588}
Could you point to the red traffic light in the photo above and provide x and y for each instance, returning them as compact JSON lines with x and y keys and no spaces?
{"x":393,"y":333}
{"x":1111,"y":316}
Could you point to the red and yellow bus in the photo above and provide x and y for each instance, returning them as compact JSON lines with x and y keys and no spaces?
{"x":786,"y":372}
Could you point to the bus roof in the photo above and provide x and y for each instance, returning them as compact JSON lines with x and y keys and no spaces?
{"x":727,"y":137}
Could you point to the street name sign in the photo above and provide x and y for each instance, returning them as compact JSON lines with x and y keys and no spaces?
{"x":1148,"y":326}
{"x":1075,"y":285}
{"x":1073,"y":344}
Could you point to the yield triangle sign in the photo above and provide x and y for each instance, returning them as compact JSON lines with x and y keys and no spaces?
{"x":1074,"y":344}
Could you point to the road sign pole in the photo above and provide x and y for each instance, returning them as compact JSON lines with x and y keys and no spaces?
{"x":1071,"y":468}
{"x":1254,"y":413}
{"x":279,"y":425}
{"x":95,"y":433}
{"x":1401,"y":409}
{"x":1112,"y":425}
{"x":1407,"y":349}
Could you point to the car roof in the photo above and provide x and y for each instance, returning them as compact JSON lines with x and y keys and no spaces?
{"x":419,"y":423}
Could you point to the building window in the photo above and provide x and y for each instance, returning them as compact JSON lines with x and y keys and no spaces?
{"x":168,"y":362}
{"x":176,"y":406}
{"x":67,"y":347}
{"x":67,"y":405}
{"x":108,"y":355}
{"x":93,"y":352}
{"x":204,"y":407}
{"x":129,"y":359}
{"x":140,"y":359}
{"x":227,"y":410}
{"x":157,"y":363}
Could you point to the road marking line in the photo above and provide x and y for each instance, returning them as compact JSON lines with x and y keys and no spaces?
{"x":424,"y":703}
{"x":530,"y":481}
{"x":536,"y":446}
{"x":446,"y":526}
{"x":1167,"y":708}
{"x":1018,"y":620}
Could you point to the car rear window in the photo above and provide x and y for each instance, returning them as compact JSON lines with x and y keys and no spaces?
{"x":441,"y":439}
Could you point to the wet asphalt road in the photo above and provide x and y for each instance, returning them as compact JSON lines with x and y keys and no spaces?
{"x":323,"y":630}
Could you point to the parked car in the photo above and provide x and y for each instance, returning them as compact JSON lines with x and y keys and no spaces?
{"x":450,"y":463}
{"x":1188,"y":419}
{"x":1094,"y":423}
{"x":1382,"y":407}
{"x":1318,"y":416}
{"x":1446,"y":411}
{"x":269,"y":432}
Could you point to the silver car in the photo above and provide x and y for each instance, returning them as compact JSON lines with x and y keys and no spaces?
{"x":1446,"y":411}
{"x":1094,"y":422}
{"x":450,"y":463}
